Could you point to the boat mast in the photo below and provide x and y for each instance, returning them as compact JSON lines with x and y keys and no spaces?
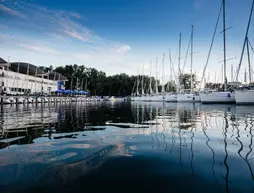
{"x":27,"y":73}
{"x":150,"y":85}
{"x":171,"y":70}
{"x":221,"y":74}
{"x":248,"y":54}
{"x":142,"y":81}
{"x":58,"y":83}
{"x":245,"y":76}
{"x":137,"y":92}
{"x":232,"y":73}
{"x":134,"y":85}
{"x":170,"y":75}
{"x":246,"y":35}
{"x":163,"y":89}
{"x":179,"y":62}
{"x":191,"y":57}
{"x":210,"y":49}
{"x":156,"y":83}
{"x":77,"y":83}
{"x":49,"y":90}
{"x":71,"y":81}
{"x":224,"y":45}
{"x":82,"y":84}
{"x":86,"y":85}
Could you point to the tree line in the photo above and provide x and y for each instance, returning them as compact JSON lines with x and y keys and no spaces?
{"x":97,"y":82}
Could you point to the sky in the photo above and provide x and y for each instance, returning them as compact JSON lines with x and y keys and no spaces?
{"x":122,"y":36}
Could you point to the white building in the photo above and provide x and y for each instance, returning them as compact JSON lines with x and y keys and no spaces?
{"x":24,"y":78}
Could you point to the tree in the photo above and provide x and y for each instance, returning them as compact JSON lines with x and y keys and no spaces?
{"x":170,"y":86}
{"x":185,"y":80}
{"x":211,"y":85}
{"x":46,"y":69}
{"x":100,"y":84}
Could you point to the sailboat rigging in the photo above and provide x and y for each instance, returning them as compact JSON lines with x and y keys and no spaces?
{"x":217,"y":96}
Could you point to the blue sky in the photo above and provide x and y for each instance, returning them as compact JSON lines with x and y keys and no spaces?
{"x":118,"y":35}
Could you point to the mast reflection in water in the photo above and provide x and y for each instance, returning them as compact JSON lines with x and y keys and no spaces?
{"x":123,"y":147}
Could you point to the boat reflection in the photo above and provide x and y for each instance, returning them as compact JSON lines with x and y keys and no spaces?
{"x":227,"y":127}
{"x":209,"y":142}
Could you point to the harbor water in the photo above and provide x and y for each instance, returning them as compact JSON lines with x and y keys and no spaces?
{"x":126,"y":147}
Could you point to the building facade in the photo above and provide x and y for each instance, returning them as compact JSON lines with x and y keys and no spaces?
{"x":24,"y":78}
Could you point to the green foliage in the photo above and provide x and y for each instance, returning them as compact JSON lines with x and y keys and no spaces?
{"x":46,"y":69}
{"x":217,"y":86}
{"x":170,"y":86}
{"x":185,"y":80}
{"x":98,"y":83}
{"x":211,"y":85}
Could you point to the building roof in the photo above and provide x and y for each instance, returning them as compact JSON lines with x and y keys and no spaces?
{"x":25,"y":68}
{"x":33,"y":70}
{"x":3,"y":62}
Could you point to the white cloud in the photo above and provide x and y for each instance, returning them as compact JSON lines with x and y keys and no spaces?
{"x":81,"y":56}
{"x":50,"y":21}
{"x":26,"y":43}
{"x":76,"y":15}
{"x":11,"y":11}
{"x":62,"y":37}
{"x":38,"y":48}
{"x":123,"y":49}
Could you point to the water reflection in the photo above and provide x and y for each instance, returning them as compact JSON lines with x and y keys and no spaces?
{"x":63,"y":147}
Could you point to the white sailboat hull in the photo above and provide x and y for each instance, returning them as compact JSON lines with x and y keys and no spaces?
{"x":171,"y":98}
{"x":145,"y":98}
{"x":157,"y":98}
{"x":6,"y":101}
{"x":30,"y":100}
{"x":217,"y":97}
{"x":244,"y":96}
{"x":188,"y":97}
{"x":136,"y":98}
{"x":12,"y":100}
{"x":21,"y":100}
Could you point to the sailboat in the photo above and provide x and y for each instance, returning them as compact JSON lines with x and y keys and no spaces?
{"x":143,"y":95}
{"x":170,"y":96}
{"x":192,"y":96}
{"x":209,"y":96}
{"x":245,"y":95}
{"x":150,"y":84}
{"x":132,"y":92}
{"x":136,"y":96}
{"x":158,"y":97}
